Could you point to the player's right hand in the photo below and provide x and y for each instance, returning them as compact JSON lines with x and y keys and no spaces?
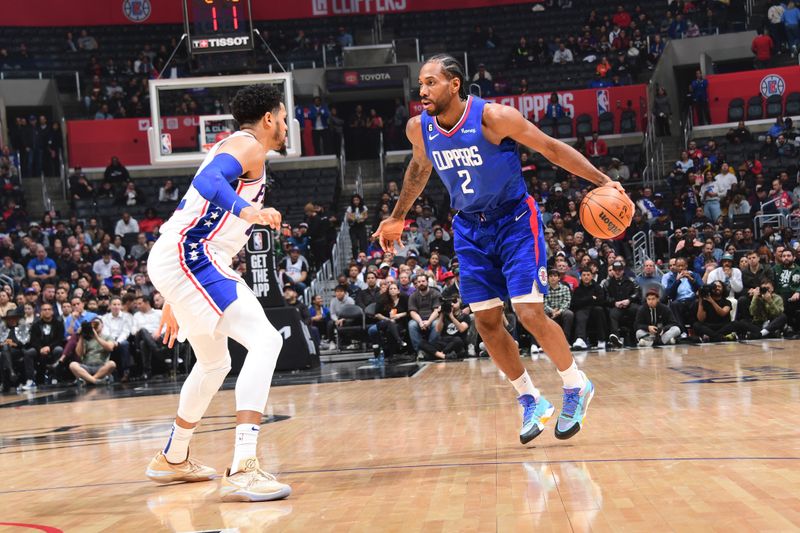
{"x":389,"y":232}
{"x":168,"y":325}
{"x":266,"y":216}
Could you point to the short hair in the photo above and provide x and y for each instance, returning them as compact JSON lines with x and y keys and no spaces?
{"x":340,"y":288}
{"x":586,"y":269}
{"x":251,"y":103}
{"x":452,"y":69}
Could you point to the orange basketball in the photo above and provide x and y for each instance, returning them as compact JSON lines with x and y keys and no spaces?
{"x":605,"y":212}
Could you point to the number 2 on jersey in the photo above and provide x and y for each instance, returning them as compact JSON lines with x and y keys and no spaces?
{"x":465,"y":188}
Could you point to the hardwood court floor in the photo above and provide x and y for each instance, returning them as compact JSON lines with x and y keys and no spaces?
{"x":700,"y":438}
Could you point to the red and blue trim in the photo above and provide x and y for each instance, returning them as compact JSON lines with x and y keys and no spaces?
{"x":452,"y":131}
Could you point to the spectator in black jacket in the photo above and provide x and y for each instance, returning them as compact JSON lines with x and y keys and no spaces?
{"x":587,"y":303}
{"x":654,"y":323}
{"x":47,"y":343}
{"x":623,"y":298}
{"x":753,"y":276}
{"x":369,"y":294}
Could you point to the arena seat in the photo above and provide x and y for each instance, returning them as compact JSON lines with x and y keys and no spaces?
{"x":564,"y":128}
{"x":605,"y":123}
{"x":793,"y":104}
{"x":736,"y":110}
{"x":755,"y":108}
{"x":627,"y":121}
{"x":774,"y":106}
{"x":583,"y":125}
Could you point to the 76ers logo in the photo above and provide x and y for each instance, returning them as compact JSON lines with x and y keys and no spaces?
{"x":772,"y":85}
{"x":136,"y":10}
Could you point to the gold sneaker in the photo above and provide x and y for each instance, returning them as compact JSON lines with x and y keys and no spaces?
{"x":162,"y":471}
{"x":251,"y":484}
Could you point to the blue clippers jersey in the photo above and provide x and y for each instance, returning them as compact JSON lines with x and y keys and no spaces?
{"x":480,"y":176}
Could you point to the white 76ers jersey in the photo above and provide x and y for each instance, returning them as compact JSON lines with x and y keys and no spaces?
{"x":198,"y":222}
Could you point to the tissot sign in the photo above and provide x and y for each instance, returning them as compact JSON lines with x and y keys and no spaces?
{"x":366,"y":78}
{"x":221,"y":44}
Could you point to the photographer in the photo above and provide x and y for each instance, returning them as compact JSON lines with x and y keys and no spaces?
{"x":47,"y":341}
{"x":94,"y":350}
{"x":451,"y":331}
{"x":714,"y":314}
{"x":766,"y":310}
{"x":654,"y":322}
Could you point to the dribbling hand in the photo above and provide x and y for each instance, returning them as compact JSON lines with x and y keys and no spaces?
{"x":389,"y":232}
{"x":168,"y":325}
{"x":262,"y":217}
{"x":617,"y":185}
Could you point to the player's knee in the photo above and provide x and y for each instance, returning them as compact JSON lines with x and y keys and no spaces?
{"x":111,"y":364}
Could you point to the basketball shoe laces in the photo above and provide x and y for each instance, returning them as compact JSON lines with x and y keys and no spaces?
{"x":571,"y":399}
{"x":253,"y":468}
{"x":529,"y":406}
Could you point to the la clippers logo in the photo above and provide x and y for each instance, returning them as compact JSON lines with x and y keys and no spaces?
{"x":351,"y":77}
{"x":136,"y":10}
{"x":772,"y":85}
{"x":202,"y":44}
{"x":543,"y":275}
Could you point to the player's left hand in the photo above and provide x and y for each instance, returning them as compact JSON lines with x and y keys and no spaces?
{"x":389,"y":232}
{"x":168,"y":325}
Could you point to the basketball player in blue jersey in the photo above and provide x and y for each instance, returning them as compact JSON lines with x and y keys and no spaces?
{"x":207,"y":301}
{"x":498,"y":232}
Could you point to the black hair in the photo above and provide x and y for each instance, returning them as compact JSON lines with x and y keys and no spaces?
{"x":254,"y":101}
{"x":452,"y":69}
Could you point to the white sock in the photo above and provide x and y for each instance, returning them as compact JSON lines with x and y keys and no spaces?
{"x":245,"y":445}
{"x":177,"y":448}
{"x":524,"y":385}
{"x":764,"y":332}
{"x":572,"y":377}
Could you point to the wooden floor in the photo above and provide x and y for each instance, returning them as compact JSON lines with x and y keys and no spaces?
{"x":699,"y":438}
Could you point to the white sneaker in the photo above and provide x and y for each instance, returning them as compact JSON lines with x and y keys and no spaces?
{"x":601,"y":345}
{"x":251,"y":484}
{"x":471,"y":350}
{"x":646,"y":342}
{"x":535,"y":348}
{"x":29,"y":385}
{"x":579,"y":344}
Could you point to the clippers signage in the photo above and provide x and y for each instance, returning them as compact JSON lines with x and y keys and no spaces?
{"x":590,"y":102}
{"x":722,"y":88}
{"x":366,"y":78}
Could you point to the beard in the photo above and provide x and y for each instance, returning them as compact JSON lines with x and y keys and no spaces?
{"x":281,"y":143}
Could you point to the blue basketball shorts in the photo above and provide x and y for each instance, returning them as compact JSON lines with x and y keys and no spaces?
{"x":501,"y":254}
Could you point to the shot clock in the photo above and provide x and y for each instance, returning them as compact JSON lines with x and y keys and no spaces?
{"x":218,"y":25}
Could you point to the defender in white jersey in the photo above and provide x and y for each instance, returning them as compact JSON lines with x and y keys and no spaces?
{"x":207,"y":301}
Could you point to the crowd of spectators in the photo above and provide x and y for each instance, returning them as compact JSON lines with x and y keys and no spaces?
{"x":621,"y":43}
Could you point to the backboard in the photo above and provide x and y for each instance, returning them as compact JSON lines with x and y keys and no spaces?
{"x":189,"y":115}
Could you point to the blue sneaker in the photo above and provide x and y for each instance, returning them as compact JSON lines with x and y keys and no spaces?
{"x":574,"y":411}
{"x":534,"y":417}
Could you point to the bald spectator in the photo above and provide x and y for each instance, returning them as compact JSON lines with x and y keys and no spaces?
{"x":41,"y":267}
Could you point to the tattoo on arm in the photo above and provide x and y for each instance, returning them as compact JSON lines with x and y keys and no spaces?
{"x":417,"y":175}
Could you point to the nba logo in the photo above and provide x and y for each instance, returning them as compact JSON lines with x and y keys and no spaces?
{"x":319,"y":7}
{"x":166,"y":143}
{"x":258,"y":241}
{"x":603,"y":101}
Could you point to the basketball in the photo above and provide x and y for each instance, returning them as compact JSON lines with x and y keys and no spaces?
{"x":605,"y":212}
